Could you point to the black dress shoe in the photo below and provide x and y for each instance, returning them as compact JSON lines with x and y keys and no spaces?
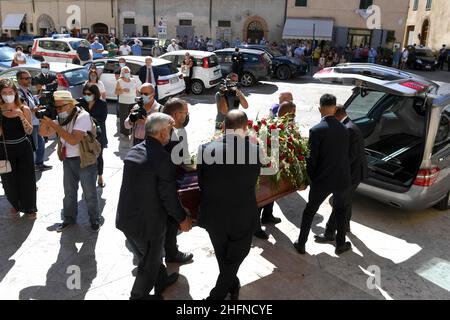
{"x":300,"y":247}
{"x":261,"y":234}
{"x":170,"y":280}
{"x":324,"y":239}
{"x":344,"y":248}
{"x":180,"y":257}
{"x":270,"y":220}
{"x":234,"y":293}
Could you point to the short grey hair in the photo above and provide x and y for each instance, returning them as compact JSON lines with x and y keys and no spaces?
{"x":147,"y":85}
{"x":156,"y":122}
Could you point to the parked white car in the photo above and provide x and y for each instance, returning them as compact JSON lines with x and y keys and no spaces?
{"x":206,"y":72}
{"x":58,"y":49}
{"x":170,"y":81}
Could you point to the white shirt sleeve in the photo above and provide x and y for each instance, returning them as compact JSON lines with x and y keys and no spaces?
{"x":101,"y":87}
{"x":83,"y":122}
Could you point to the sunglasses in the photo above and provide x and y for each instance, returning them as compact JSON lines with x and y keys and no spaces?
{"x":87,"y":94}
{"x":147,"y":94}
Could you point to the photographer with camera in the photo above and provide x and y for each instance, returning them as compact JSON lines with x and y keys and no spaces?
{"x":45,"y":81}
{"x":24,"y":81}
{"x":145,"y":106}
{"x":71,"y":126}
{"x":16,"y":154}
{"x":228,"y":98}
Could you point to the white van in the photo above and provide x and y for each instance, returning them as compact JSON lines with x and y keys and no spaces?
{"x":57,"y":49}
{"x":206,"y":72}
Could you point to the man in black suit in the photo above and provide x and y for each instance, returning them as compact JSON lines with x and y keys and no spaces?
{"x":147,"y":197}
{"x":328,"y":168}
{"x":148,"y":74}
{"x":228,"y":171}
{"x":358,"y":171}
{"x":238,"y":63}
{"x":45,"y":81}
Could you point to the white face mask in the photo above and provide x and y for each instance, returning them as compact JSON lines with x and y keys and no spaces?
{"x":8,"y":98}
{"x":126,"y":75}
{"x":122,"y":65}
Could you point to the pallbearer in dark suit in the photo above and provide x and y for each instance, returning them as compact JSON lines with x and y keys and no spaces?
{"x":329,"y":171}
{"x":147,"y":197}
{"x":228,"y":171}
{"x":358,"y":171}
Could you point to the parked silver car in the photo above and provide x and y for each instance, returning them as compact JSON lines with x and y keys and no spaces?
{"x":405,"y":120}
{"x":70,"y":77}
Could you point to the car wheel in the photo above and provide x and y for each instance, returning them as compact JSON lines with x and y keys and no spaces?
{"x":444,"y":204}
{"x":248,"y":80}
{"x":284,"y":73}
{"x":197,"y":87}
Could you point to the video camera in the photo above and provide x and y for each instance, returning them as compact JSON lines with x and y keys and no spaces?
{"x":46,"y":100}
{"x":228,"y":87}
{"x":138,"y":112}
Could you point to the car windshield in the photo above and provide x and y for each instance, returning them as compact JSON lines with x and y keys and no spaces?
{"x":6,"y":54}
{"x":167,"y":70}
{"x":76,"y":44}
{"x":77,"y":76}
{"x":424,"y":53}
{"x":274,"y":52}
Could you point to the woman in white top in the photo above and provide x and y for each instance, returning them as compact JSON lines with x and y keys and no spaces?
{"x":94,"y":79}
{"x":127,"y":91}
{"x":19,"y":57}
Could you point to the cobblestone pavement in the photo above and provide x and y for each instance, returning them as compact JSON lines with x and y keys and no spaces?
{"x":411,"y":249}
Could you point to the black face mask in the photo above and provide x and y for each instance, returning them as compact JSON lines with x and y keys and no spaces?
{"x":186,"y":121}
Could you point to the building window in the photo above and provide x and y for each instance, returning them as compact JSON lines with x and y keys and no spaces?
{"x":224,"y":24}
{"x":364,"y":4}
{"x":128,"y":21}
{"x":429,"y":3}
{"x":185,"y":22}
{"x":416,"y":5}
{"x":301,"y":3}
{"x":145,"y":31}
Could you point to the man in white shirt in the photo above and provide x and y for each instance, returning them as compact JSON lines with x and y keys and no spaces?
{"x":125,"y":49}
{"x":173,"y":46}
{"x":71,"y":127}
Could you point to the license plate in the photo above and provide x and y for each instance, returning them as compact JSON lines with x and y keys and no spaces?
{"x":173,"y":80}
{"x":427,"y":67}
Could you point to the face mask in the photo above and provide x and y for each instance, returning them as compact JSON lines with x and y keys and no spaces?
{"x":145,"y":99}
{"x":63,"y":116}
{"x":45,"y":70}
{"x":89,"y":98}
{"x":122,"y":65}
{"x":96,"y":41}
{"x":186,"y":121}
{"x":126,"y":75}
{"x":9,"y":98}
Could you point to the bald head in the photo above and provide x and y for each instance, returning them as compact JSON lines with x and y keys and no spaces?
{"x":235,"y":120}
{"x":285,"y":97}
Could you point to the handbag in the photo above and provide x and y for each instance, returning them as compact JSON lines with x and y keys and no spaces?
{"x":5,"y":165}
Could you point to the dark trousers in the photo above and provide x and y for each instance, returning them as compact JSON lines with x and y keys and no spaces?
{"x":230,"y":250}
{"x":124,"y":111}
{"x":100,"y":163}
{"x":20,"y":183}
{"x":448,"y":63}
{"x":187,"y":82}
{"x":170,"y":242}
{"x":265,"y":212}
{"x":332,"y":221}
{"x":441,"y":63}
{"x":316,"y":197}
{"x":151,"y":271}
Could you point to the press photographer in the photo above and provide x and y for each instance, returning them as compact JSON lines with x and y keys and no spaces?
{"x":229,"y":98}
{"x":146,"y":105}
{"x":78,"y":150}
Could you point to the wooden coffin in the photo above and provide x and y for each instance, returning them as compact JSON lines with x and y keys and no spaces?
{"x":266,"y":192}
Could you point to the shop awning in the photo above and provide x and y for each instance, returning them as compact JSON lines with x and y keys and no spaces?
{"x":308,"y":29}
{"x":13,"y":21}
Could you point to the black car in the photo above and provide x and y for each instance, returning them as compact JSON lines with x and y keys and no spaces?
{"x":148,"y":44}
{"x":421,"y":58}
{"x":283,"y":67}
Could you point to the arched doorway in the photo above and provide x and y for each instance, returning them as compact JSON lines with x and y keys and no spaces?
{"x":45,"y":24}
{"x":100,"y":28}
{"x":255,"y":28}
{"x":425,"y":31}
